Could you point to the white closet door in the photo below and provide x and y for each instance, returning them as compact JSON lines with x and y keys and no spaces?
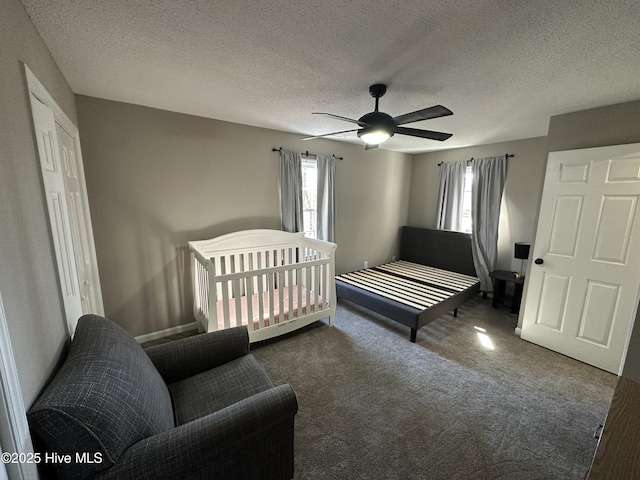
{"x":60,"y":157}
{"x":53,"y":179}
{"x":80,"y":221}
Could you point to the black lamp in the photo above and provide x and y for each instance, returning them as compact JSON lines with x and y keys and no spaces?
{"x":521,"y":251}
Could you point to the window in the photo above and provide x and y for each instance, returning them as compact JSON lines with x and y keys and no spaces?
{"x":310,"y":197}
{"x":466,"y":221}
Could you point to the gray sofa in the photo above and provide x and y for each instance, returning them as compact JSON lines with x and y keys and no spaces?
{"x":199,"y":407}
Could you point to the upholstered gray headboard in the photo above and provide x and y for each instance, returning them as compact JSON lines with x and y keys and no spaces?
{"x":444,"y":249}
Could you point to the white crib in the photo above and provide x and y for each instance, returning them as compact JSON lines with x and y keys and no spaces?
{"x":280,"y":281}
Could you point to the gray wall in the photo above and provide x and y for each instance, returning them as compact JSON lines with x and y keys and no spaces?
{"x":158,"y":179}
{"x":28,"y":279}
{"x":597,"y":127}
{"x":522,"y":190}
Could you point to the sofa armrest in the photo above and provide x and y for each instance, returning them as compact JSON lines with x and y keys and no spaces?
{"x":219,"y":445}
{"x":189,"y":356}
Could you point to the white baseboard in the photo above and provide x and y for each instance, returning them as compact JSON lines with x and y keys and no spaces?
{"x":147,"y":337}
{"x":518,"y":331}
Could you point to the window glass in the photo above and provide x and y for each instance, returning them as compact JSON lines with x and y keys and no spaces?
{"x":309,"y":196}
{"x":465,"y":224}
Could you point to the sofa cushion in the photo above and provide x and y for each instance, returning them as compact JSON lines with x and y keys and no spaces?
{"x":215,"y":389}
{"x":106,"y":396}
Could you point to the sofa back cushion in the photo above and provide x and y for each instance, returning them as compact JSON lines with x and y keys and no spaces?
{"x":106,"y":396}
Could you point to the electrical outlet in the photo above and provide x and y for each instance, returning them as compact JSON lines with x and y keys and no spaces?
{"x":366,"y":264}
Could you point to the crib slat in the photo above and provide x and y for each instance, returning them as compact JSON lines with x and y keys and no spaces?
{"x":202,"y":273}
{"x":209,"y":273}
{"x":299,"y":293}
{"x":310,"y":287}
{"x":225,"y":304}
{"x":206,"y":281}
{"x":237,"y":294}
{"x":320,"y":290}
{"x":203,"y":294}
{"x":197,"y":281}
{"x":219,"y":270}
{"x":249,"y":285}
{"x":325,"y":285}
{"x":291,"y":292}
{"x":307,"y":284}
{"x":281,"y":297}
{"x":197,"y":297}
{"x":317,"y":287}
{"x":260,"y":301}
{"x":271,"y":280}
{"x":329,"y":297}
{"x":257,"y":259}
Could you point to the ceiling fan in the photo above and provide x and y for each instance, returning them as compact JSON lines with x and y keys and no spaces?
{"x":377,"y":127}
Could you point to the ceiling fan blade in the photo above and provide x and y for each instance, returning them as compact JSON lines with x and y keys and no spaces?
{"x":332,"y":133}
{"x":370,"y":147}
{"x":424,"y":114}
{"x":414,"y":132}
{"x":362,"y":124}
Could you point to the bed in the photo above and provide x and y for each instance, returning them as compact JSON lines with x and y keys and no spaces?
{"x":434,"y":275}
{"x":273,"y":282}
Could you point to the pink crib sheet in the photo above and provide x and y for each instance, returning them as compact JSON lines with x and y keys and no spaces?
{"x":286,"y":291}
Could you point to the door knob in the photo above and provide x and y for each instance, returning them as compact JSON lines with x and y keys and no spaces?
{"x":538,"y":261}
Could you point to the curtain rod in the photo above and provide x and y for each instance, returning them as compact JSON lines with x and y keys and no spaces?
{"x":306,"y":154}
{"x":506,"y":155}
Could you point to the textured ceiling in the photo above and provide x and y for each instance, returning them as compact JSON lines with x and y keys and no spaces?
{"x":503,"y":67}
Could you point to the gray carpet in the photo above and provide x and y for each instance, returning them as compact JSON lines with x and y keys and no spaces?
{"x":372,"y":405}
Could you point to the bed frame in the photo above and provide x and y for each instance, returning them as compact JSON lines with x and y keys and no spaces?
{"x":281,"y":281}
{"x":443,"y":249}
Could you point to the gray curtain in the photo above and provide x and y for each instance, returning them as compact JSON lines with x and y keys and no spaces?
{"x":488,"y":183}
{"x":450,"y":195}
{"x":326,"y":198}
{"x":291,"y":191}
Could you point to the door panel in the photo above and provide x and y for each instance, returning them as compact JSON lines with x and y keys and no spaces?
{"x":566,"y":220}
{"x":624,"y":170}
{"x":553,"y":301}
{"x":578,"y":173}
{"x":80,"y":226}
{"x":581,"y":300}
{"x":616,"y":215}
{"x":46,"y":139}
{"x":600,"y":304}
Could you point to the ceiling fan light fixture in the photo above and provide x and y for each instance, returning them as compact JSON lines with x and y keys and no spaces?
{"x":373,"y":136}
{"x":377,"y":127}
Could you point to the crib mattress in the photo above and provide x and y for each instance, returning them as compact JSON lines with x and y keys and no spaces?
{"x":303,"y":301}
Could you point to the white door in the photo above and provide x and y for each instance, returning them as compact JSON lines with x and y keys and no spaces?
{"x":80,"y":222}
{"x":584,"y":283}
{"x":53,"y":180}
{"x":60,"y":157}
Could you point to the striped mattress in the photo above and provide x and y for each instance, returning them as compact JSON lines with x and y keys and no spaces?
{"x":412,"y":284}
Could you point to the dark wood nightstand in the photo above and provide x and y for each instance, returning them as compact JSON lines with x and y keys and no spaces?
{"x":500,"y":279}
